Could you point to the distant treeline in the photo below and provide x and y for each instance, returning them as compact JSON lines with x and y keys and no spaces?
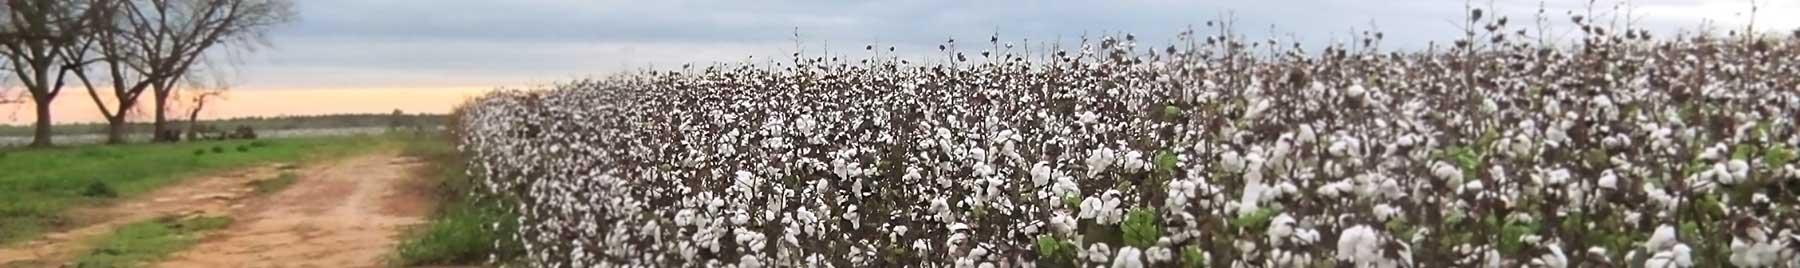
{"x":259,"y":123}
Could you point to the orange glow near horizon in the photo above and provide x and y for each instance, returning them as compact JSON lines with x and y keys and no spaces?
{"x":76,"y":107}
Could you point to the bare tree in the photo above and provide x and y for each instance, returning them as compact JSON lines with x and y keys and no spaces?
{"x":199,"y":100}
{"x":179,"y":35}
{"x":118,"y":56}
{"x":42,"y":41}
{"x":151,"y":45}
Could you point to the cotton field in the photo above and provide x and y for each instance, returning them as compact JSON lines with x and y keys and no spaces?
{"x":1612,"y":149}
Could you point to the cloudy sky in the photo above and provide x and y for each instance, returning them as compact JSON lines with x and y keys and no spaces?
{"x":354,"y":44}
{"x":374,"y":56}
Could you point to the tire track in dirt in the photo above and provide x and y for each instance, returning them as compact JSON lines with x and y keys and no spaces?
{"x":348,"y":213}
{"x":209,"y":195}
{"x":341,"y":213}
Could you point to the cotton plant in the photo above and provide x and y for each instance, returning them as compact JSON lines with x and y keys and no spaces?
{"x":1641,"y":152}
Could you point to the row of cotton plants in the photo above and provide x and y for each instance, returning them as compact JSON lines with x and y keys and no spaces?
{"x":1615,"y":149}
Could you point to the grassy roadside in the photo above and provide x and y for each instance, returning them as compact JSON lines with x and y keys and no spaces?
{"x":459,"y":232}
{"x":276,"y":184}
{"x":145,"y":242}
{"x":37,"y":186}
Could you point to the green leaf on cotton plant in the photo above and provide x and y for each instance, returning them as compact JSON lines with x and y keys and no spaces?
{"x":1778,"y":155}
{"x":1512,"y":235}
{"x":1047,"y":245}
{"x":1072,"y":201}
{"x":1166,"y":161}
{"x":1172,"y":111}
{"x":1255,"y":221}
{"x":1742,"y":152}
{"x":1192,"y":257}
{"x":1141,"y":228}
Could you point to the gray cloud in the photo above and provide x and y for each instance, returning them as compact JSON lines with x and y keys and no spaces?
{"x":470,"y":43}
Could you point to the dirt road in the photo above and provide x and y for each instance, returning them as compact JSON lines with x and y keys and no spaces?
{"x":343,"y":213}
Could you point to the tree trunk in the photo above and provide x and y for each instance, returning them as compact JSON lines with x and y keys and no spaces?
{"x":41,"y":138}
{"x":115,"y":129}
{"x":193,"y":123}
{"x":162,"y":132}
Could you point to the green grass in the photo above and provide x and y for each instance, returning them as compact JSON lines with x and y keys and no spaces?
{"x":259,"y":123}
{"x":139,"y":244}
{"x":272,"y":185}
{"x":37,"y":185}
{"x":458,"y":233}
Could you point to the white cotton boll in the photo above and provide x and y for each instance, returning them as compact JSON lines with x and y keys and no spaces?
{"x":1159,"y":254}
{"x":1109,"y":212}
{"x":1285,"y":188}
{"x":1244,"y":246}
{"x":1257,"y":107}
{"x":1065,"y":186}
{"x":1615,"y":141}
{"x":1738,"y":169}
{"x":1663,"y":238}
{"x":1447,"y":172}
{"x":1232,"y":161}
{"x":1250,"y":201}
{"x":1391,"y":189}
{"x":1383,"y":212}
{"x":1355,"y":91}
{"x":1358,"y":244}
{"x":1521,"y":146}
{"x":1716,"y":152}
{"x":1128,"y":257}
{"x":1471,"y":186}
{"x":1306,"y":135}
{"x":1609,"y":180}
{"x":1090,"y":207}
{"x":1756,"y":252}
{"x":1740,"y":253}
{"x":1718,"y":173}
{"x":1280,"y":153}
{"x":941,"y":208}
{"x":1087,"y":117}
{"x":841,"y":168}
{"x":1768,"y":254}
{"x":1555,"y":177}
{"x":1281,"y":227}
{"x":1661,"y":137}
{"x":1099,"y":159}
{"x":740,"y":219}
{"x":1040,"y":174}
{"x":1255,"y":176}
{"x":1489,"y":106}
{"x":1306,"y":236}
{"x":1662,"y":259}
{"x":963,"y":262}
{"x":1661,"y":198}
{"x":1553,"y":259}
{"x":1133,"y":161}
{"x":1683,"y":255}
{"x":983,"y":170}
{"x":1343,"y":147}
{"x":1406,"y":141}
{"x":684,"y":218}
{"x":1063,"y":223}
{"x":749,"y":261}
{"x":1333,"y":189}
{"x":1099,"y":253}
